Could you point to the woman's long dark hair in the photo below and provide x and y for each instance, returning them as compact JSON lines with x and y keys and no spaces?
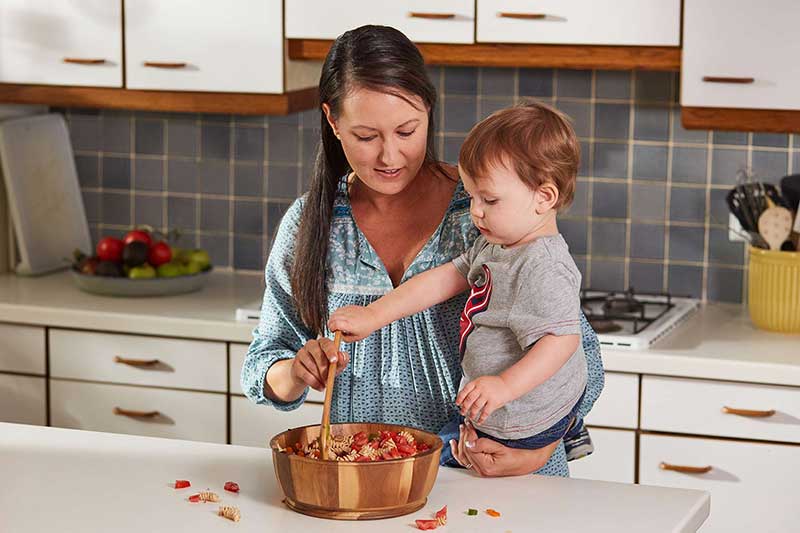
{"x":378,"y":58}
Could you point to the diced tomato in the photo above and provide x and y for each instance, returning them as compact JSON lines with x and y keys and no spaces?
{"x":405,"y":448}
{"x":356,"y":447}
{"x":441,"y":515}
{"x":230,"y":486}
{"x":194,"y":498}
{"x":374,"y":445}
{"x":400,"y":439}
{"x":363,"y":459}
{"x":427,"y":524}
{"x":387,"y":455}
{"x":182,"y":484}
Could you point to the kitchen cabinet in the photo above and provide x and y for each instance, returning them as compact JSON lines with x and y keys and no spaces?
{"x":145,"y":411}
{"x":254,"y":425}
{"x":138,"y":360}
{"x":738,"y":65}
{"x":611,"y":460}
{"x":598,"y":22}
{"x":205,"y":46}
{"x":61,"y":43}
{"x":23,"y":399}
{"x":445,"y":21}
{"x":22,"y":349}
{"x":749,"y":486}
{"x":238,"y":352}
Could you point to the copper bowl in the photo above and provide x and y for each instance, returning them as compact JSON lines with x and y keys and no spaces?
{"x":355,"y":490}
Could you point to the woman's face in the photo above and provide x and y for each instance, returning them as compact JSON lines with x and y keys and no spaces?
{"x":384,"y":137}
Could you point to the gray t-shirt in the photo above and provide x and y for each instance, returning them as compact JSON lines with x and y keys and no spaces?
{"x":519,"y":295}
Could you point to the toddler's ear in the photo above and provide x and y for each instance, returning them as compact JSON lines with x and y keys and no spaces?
{"x":546,"y":197}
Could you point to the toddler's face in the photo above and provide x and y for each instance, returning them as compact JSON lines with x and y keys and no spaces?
{"x":503,"y":207}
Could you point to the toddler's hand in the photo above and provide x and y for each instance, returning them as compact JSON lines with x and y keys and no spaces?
{"x":355,"y":322}
{"x":482,"y":397}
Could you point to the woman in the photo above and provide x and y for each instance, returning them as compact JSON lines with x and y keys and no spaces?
{"x":380,"y":209}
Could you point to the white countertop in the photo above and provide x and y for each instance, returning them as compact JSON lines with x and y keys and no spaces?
{"x":77,"y":481}
{"x":717,"y":342}
{"x":53,"y":300}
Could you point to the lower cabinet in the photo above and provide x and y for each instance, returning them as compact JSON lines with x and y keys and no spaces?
{"x":23,"y":399}
{"x":753,"y":486}
{"x":255,"y":425}
{"x":612,"y":460}
{"x":199,"y":416}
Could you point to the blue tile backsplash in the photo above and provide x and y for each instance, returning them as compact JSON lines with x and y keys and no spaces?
{"x":649,"y":208}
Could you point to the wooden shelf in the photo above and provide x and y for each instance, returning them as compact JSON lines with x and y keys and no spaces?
{"x":177,"y":101}
{"x":524,"y":55}
{"x":724,"y":118}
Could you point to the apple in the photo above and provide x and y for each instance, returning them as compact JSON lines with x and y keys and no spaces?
{"x":160,"y":253}
{"x":110,"y":249}
{"x":144,"y":271}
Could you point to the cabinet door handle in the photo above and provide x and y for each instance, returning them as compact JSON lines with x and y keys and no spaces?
{"x":522,"y":16}
{"x":436,"y":16}
{"x":119,"y":411}
{"x":748,"y":412}
{"x":84,"y":61}
{"x":159,"y":64}
{"x":727,"y":79}
{"x":140,"y":363}
{"x":685,"y":469}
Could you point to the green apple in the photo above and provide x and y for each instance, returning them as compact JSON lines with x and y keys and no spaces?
{"x":193,"y":267}
{"x":201,"y":257}
{"x":180,"y":255}
{"x":169,"y":270}
{"x":145,"y":271}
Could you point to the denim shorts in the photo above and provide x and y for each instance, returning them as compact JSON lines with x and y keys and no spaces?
{"x":544,"y":438}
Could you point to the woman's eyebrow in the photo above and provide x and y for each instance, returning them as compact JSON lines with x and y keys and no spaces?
{"x":406,"y":123}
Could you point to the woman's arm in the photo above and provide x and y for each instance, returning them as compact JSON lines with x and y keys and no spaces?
{"x":420,"y":292}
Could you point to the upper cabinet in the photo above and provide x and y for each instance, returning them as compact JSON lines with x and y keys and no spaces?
{"x":594,"y":22}
{"x":61,"y":43}
{"x":443,"y":21}
{"x":234,"y":46}
{"x":739,"y":53}
{"x":739,"y":65}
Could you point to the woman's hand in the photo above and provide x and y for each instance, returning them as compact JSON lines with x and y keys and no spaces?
{"x":310,"y":365}
{"x":491,"y":459}
{"x":354,"y":321}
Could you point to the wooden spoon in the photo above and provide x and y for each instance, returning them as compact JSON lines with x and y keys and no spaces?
{"x":775,"y":225}
{"x":325,"y":426}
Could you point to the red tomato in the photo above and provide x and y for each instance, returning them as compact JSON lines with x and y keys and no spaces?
{"x":427,"y":524}
{"x":194,"y":498}
{"x":110,"y":249}
{"x":230,"y":486}
{"x":159,"y":254}
{"x":138,"y":235}
{"x":182,"y":484}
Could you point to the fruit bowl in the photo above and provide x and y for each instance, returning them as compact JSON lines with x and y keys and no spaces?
{"x":119,"y":286}
{"x":355,"y":490}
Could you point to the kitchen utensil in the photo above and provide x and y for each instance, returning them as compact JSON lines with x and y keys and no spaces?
{"x":775,"y":225}
{"x":44,"y":197}
{"x":790,"y":187}
{"x":735,"y":200}
{"x":325,"y":426}
{"x":355,"y":490}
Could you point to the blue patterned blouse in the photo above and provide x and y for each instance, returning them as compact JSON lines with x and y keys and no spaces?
{"x":406,"y":373}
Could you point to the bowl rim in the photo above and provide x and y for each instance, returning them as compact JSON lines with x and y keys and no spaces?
{"x":437,"y":447}
{"x":120,"y":279}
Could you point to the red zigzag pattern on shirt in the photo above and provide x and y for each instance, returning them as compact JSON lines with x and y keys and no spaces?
{"x":477,"y":302}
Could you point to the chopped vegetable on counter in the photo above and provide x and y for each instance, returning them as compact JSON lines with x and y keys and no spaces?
{"x":441,"y":516}
{"x":182,"y":484}
{"x":231,"y":486}
{"x":427,"y":524}
{"x":492,"y":512}
{"x":472,"y":512}
{"x":194,"y":498}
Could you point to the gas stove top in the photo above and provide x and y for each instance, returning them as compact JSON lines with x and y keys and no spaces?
{"x":630,"y":320}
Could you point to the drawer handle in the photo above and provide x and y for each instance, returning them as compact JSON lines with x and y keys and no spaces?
{"x":435,"y":16}
{"x":84,"y":61}
{"x":158,"y":64}
{"x":748,"y":412}
{"x":139,"y":363}
{"x":685,"y":469}
{"x":522,"y":16}
{"x":724,"y":79}
{"x":119,"y":411}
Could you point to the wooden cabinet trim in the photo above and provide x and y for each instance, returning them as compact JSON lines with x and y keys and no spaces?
{"x":175,"y":101}
{"x":732,"y":119}
{"x":666,"y":58}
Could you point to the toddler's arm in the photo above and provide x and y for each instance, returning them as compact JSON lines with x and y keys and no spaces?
{"x":420,"y":292}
